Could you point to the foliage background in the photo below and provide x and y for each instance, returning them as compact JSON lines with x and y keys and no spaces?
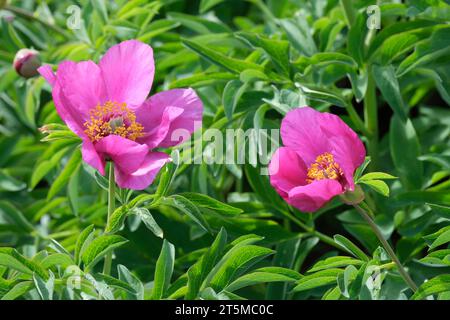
{"x":227,"y":233}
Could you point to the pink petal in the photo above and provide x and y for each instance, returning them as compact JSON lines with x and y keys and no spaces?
{"x":73,"y":119}
{"x":301,"y":132}
{"x":348,"y":149}
{"x":144,"y":176}
{"x":312,"y":197}
{"x":68,"y":114}
{"x":167,"y":111}
{"x":91,"y":156}
{"x":128,"y":70}
{"x":287,"y":171}
{"x":158,"y":133}
{"x":82,"y":84}
{"x":311,"y":133}
{"x":48,"y":74}
{"x":126,"y":154}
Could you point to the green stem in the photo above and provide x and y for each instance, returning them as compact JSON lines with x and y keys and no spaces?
{"x":30,"y":16}
{"x":324,"y":238}
{"x":371,"y":120}
{"x":387,"y":247}
{"x":348,"y":11}
{"x":111,"y":207}
{"x":356,"y":119}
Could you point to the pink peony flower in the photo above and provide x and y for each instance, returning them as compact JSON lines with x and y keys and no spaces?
{"x":107,"y":106}
{"x":318,"y":160}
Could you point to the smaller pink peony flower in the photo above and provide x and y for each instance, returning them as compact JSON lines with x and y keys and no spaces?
{"x":318,"y":160}
{"x":106,"y":105}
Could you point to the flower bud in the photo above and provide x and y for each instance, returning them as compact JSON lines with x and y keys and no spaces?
{"x":26,"y":63}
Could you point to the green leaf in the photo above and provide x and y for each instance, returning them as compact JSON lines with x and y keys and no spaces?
{"x":156,"y":28}
{"x":318,"y":279}
{"x":44,"y":288}
{"x":359,"y":84}
{"x":57,"y":259}
{"x":198,"y":24}
{"x":252,"y":75}
{"x":72,"y":166}
{"x":116,"y":283}
{"x":427,"y":51}
{"x":73,"y":191}
{"x":299,"y":35}
{"x":187,"y":207}
{"x":277,"y":50}
{"x":126,"y":276}
{"x":387,"y":82}
{"x":166,"y":178}
{"x":203,"y":79}
{"x":204,"y":201}
{"x":10,"y":258}
{"x":18,"y":290}
{"x":164,"y":270}
{"x":376,"y":176}
{"x":205,"y":5}
{"x":32,"y":100}
{"x":261,"y":185}
{"x":443,"y":211}
{"x":99,"y":247}
{"x":378,"y":185}
{"x":425,"y":197}
{"x":360,"y":170}
{"x":441,"y":239}
{"x":405,"y":150}
{"x":10,"y":184}
{"x":332,"y":294}
{"x":231,"y":94}
{"x":262,"y":276}
{"x":286,"y":254}
{"x":324,"y":59}
{"x":356,"y":38}
{"x":100,"y":7}
{"x":234,"y":263}
{"x":198,"y":272}
{"x":334,"y":262}
{"x":149,"y":221}
{"x":14,"y":216}
{"x":231,"y":64}
{"x":436,"y":285}
{"x":83,"y":240}
{"x":399,"y":29}
{"x":116,"y":219}
{"x":345,"y":280}
{"x":350,"y":247}
{"x":44,"y":167}
{"x":319,"y":94}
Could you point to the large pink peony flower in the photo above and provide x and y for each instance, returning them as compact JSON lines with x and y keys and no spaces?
{"x":317,"y":163}
{"x":107,"y":106}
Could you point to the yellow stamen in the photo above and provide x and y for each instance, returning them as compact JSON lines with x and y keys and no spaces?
{"x":112,"y":118}
{"x":324,"y":168}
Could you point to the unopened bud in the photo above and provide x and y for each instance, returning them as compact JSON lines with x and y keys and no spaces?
{"x":27,"y":62}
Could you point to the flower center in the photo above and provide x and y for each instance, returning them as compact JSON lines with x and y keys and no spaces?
{"x":112,"y":118}
{"x":324,"y":168}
